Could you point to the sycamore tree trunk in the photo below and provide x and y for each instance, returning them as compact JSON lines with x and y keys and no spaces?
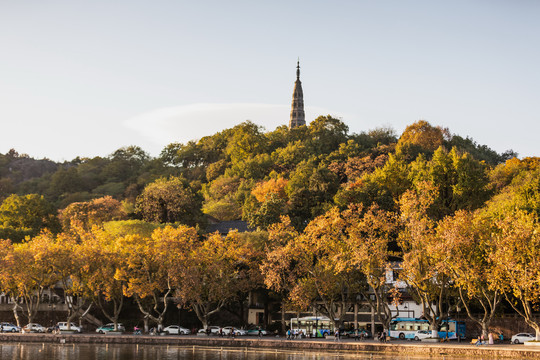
{"x":16,"y":307}
{"x":526,"y":312}
{"x":76,"y":306}
{"x":157,"y":315}
{"x":31,"y":305}
{"x":204,"y":310}
{"x":117,"y":305}
{"x":489,"y":303}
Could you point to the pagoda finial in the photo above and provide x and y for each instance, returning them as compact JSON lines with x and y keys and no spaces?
{"x":298,"y":69}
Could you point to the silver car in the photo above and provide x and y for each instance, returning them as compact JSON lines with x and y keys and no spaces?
{"x":33,"y":328}
{"x":9,"y":327}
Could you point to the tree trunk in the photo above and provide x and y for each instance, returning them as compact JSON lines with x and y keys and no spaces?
{"x":15,"y":312}
{"x":146,"y":327}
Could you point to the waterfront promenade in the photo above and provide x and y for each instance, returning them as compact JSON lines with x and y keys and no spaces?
{"x":449,"y":349}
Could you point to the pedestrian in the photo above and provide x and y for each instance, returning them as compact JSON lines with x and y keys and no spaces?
{"x":490,"y":338}
{"x":478,"y":341}
{"x":289,"y":334}
{"x":384,"y":336}
{"x":336,"y":335}
{"x":260,"y":332}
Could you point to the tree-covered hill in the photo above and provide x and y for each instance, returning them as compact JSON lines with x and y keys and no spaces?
{"x":248,"y":173}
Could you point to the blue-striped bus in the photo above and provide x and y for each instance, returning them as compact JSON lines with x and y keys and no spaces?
{"x":405,"y":328}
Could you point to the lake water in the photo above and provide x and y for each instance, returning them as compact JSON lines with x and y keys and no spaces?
{"x":34,"y":351}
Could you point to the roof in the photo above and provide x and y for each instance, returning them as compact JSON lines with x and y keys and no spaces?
{"x":224,"y":227}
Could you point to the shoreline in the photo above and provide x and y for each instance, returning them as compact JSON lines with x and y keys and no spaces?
{"x":497,"y":351}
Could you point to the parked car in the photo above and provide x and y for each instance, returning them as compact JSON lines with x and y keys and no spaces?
{"x":33,"y":327}
{"x":254,"y":331}
{"x":214,"y":330}
{"x":352,"y":333}
{"x":9,"y":327}
{"x":421,"y":334}
{"x":227,"y":330}
{"x":63,"y":326}
{"x":177,"y":330}
{"x":522,"y":338}
{"x":110,"y":327}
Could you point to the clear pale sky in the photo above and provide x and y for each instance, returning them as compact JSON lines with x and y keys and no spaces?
{"x":86,"y":78}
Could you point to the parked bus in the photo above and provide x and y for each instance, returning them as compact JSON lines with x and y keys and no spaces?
{"x":405,"y":328}
{"x":312,"y":326}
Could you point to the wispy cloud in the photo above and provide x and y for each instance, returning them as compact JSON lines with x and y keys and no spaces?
{"x":190,"y":122}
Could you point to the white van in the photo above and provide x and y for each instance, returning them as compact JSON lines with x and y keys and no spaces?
{"x":63,"y":326}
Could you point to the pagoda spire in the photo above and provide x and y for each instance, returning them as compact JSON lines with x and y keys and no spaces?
{"x":298,"y":117}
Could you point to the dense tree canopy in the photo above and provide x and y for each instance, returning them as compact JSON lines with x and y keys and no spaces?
{"x":333,"y":209}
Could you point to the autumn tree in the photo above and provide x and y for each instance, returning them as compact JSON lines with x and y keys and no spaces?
{"x":170,"y":200}
{"x":420,"y":137}
{"x":151,"y":263}
{"x":32,"y":274}
{"x":463,"y":251}
{"x":218,"y":269}
{"x":268,"y":202}
{"x":516,"y":260}
{"x":324,"y":282}
{"x":367,"y":249}
{"x":84,"y":215}
{"x":74,"y":271}
{"x":102,"y":260}
{"x":420,"y":268}
{"x":279,"y":265}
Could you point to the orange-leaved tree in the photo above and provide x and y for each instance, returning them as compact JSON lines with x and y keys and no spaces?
{"x":150,"y":263}
{"x":429,"y":285}
{"x":218,"y":269}
{"x":367,"y":249}
{"x":516,"y":260}
{"x":279,"y":265}
{"x":31,"y":273}
{"x":463,"y":251}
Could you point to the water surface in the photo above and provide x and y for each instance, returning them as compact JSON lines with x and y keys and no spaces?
{"x":35,"y":351}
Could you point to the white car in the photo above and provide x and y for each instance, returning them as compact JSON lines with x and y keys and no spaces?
{"x":227,"y":330}
{"x":9,"y":327}
{"x":522,"y":338}
{"x":177,"y":330}
{"x":33,"y":327}
{"x":63,"y":326}
{"x":214,"y":330}
{"x":421,"y":334}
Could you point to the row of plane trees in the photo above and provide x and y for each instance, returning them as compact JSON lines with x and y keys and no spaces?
{"x":476,"y":259}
